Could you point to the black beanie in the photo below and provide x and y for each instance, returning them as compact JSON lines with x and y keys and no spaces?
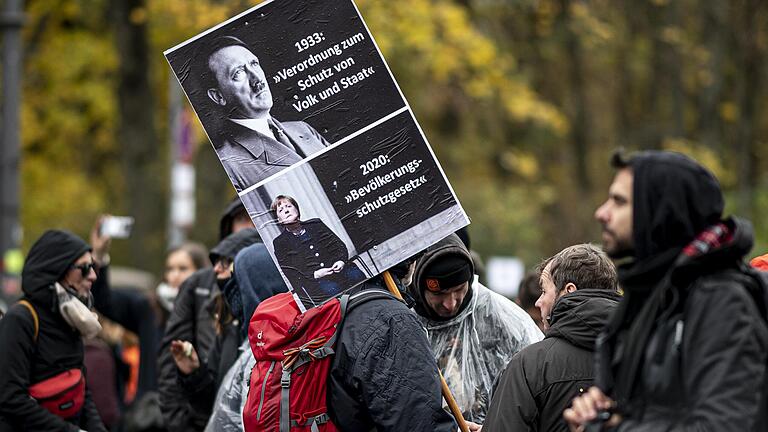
{"x":445,"y":273}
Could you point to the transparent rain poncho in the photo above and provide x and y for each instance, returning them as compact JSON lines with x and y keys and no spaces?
{"x":227,"y":413}
{"x":474,"y":347}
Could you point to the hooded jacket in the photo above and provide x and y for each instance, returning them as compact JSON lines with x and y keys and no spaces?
{"x":191,"y":321}
{"x":473,"y":347}
{"x":687,"y":348}
{"x":255,"y":279}
{"x":58,"y":347}
{"x":232,"y":209}
{"x":542,"y":379}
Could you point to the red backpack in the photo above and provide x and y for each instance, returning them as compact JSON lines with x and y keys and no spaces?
{"x":293,"y":353}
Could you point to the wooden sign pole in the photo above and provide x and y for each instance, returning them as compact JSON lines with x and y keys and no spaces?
{"x":446,"y":391}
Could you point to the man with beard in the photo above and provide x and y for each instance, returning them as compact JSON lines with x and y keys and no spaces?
{"x":687,"y":347}
{"x":473,"y":331}
{"x":252,"y":145}
{"x":578,"y":294}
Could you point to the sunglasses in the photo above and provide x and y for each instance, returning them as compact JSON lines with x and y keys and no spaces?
{"x":85,"y":269}
{"x":225,"y":262}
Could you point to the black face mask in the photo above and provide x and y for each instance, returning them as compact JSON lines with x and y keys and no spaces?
{"x":231,"y":292}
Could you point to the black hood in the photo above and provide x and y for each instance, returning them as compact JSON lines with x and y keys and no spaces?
{"x":231,"y":245}
{"x":450,"y":245}
{"x":227,"y":216}
{"x":580,"y":316}
{"x":47,"y":262}
{"x":674,"y":199}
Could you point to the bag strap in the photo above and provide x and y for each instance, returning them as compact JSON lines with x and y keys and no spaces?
{"x":32,"y":311}
{"x":285,"y":400}
{"x":361,"y":297}
{"x":756,"y":284}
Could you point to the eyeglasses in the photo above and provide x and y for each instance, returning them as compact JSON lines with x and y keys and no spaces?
{"x":85,"y":269}
{"x":225,"y":262}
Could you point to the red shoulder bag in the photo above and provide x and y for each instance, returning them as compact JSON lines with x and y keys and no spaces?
{"x":62,"y":394}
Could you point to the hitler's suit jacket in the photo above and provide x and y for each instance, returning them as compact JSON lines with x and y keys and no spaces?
{"x":249,"y":157}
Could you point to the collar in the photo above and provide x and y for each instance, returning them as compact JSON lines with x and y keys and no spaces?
{"x":260,"y":125}
{"x":261,"y":146}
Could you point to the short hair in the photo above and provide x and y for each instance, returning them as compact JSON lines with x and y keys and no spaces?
{"x":273,"y":207}
{"x":620,"y":159}
{"x":206,"y":76}
{"x":196,"y":251}
{"x":584,"y":265}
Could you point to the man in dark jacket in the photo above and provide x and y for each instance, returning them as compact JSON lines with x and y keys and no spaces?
{"x":191,"y":321}
{"x":687,"y":347}
{"x":255,"y":279}
{"x":578,"y":293}
{"x":200,"y":378}
{"x":383,"y":377}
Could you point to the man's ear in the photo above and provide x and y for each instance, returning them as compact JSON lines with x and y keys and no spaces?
{"x":570,"y":287}
{"x":215,"y":95}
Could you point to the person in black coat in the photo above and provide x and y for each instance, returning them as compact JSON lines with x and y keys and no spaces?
{"x":384,"y":376}
{"x":190,"y":320}
{"x":58,"y":270}
{"x":255,"y":278}
{"x":312,"y":257}
{"x":578,"y":293}
{"x":687,"y":347}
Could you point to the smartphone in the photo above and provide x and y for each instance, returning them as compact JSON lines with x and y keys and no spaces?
{"x":117,"y":226}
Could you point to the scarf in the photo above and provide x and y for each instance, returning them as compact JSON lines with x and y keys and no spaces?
{"x":76,"y":312}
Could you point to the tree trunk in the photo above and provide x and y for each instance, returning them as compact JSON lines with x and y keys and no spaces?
{"x":749,"y":62}
{"x":713,"y":31}
{"x":580,"y":120}
{"x":137,"y":137}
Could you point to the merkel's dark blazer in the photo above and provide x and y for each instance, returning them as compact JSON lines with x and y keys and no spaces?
{"x":300,"y":259}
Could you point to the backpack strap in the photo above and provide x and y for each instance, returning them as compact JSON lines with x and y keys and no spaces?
{"x":756,"y":284}
{"x":294,"y":358}
{"x":313,"y":422}
{"x":32,"y":311}
{"x":347,"y":303}
{"x":361,"y":297}
{"x":759,"y":289}
{"x":285,"y":401}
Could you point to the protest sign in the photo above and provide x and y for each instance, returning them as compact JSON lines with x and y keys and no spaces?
{"x":318,"y":140}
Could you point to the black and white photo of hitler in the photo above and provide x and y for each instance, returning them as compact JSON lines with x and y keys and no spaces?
{"x":252,"y":145}
{"x":311,"y":255}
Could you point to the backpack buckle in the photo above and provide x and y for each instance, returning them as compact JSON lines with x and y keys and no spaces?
{"x":285,"y":379}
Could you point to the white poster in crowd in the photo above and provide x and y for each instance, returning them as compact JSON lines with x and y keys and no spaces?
{"x":318,"y":141}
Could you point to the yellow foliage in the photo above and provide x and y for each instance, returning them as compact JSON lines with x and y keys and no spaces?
{"x":704,"y":155}
{"x":522,"y":163}
{"x":54,"y":196}
{"x":437,"y":37}
{"x":729,"y":111}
